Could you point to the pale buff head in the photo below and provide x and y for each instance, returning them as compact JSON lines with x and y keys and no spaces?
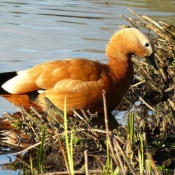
{"x":129,"y":41}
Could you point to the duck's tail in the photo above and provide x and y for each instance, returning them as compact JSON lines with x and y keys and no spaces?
{"x":25,"y":100}
{"x":4,"y":77}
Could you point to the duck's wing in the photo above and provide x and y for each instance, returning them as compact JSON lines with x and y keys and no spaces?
{"x":46,"y":75}
{"x":78,"y":94}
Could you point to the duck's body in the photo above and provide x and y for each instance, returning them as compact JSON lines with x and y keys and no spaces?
{"x":80,"y":80}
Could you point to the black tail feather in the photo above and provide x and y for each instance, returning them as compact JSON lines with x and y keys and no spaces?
{"x":5,"y":76}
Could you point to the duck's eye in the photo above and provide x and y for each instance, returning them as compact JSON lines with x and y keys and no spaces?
{"x":147,"y":45}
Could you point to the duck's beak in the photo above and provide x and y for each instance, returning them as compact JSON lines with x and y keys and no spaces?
{"x":151,"y":61}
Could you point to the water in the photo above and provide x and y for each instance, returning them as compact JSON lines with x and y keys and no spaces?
{"x":38,"y":31}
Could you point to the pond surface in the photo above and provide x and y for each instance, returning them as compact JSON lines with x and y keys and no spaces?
{"x":38,"y":31}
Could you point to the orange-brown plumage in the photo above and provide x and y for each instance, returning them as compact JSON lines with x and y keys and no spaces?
{"x":81,"y":80}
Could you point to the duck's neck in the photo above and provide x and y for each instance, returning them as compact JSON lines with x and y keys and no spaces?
{"x":119,"y":53}
{"x":122,"y":69}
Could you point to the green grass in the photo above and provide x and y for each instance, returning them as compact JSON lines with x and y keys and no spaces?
{"x":31,"y":166}
{"x":41,"y":152}
{"x":69,"y":142}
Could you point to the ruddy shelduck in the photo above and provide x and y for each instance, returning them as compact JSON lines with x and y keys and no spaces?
{"x":80,"y":80}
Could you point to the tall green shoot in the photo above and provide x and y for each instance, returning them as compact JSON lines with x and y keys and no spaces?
{"x":130,"y":127}
{"x":141,"y":156}
{"x":69,"y":143}
{"x":41,"y":152}
{"x":148,"y":167}
{"x":31,"y":166}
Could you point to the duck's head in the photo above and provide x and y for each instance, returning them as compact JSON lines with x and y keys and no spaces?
{"x":130,"y":41}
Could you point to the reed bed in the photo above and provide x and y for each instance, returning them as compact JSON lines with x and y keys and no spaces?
{"x":145,"y":145}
